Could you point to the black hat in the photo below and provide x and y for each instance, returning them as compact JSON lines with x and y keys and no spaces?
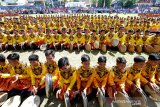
{"x":139,"y":59}
{"x":121,"y":60}
{"x":102,"y":59}
{"x":62,"y":62}
{"x":13,"y":56}
{"x":33,"y":57}
{"x":49,"y":52}
{"x":153,"y":57}
{"x":130,"y":30}
{"x":158,"y":56}
{"x":2,"y":58}
{"x":85,"y":58}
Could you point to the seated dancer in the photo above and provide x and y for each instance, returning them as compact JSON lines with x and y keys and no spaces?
{"x":85,"y":75}
{"x":158,"y":71}
{"x":134,"y":74}
{"x":67,"y":79}
{"x":5,"y":76}
{"x":102,"y":74}
{"x":37,"y":72}
{"x":150,"y":69}
{"x":79,"y":39}
{"x":21,"y":82}
{"x":52,"y":66}
{"x":117,"y":77}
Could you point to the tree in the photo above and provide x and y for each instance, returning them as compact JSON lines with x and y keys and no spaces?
{"x":108,"y":3}
{"x":128,"y":3}
{"x":94,"y":2}
{"x":76,"y":0}
{"x":100,"y":3}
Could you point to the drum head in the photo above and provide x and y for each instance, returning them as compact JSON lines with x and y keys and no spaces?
{"x":139,"y":48}
{"x":88,"y":47}
{"x":67,"y":101}
{"x":3,"y":97}
{"x":71,"y":47}
{"x":140,"y":97}
{"x":32,"y":101}
{"x":152,"y":91}
{"x":48,"y":85}
{"x":43,"y":47}
{"x":101,"y":98}
{"x":96,"y":44}
{"x":131,"y":48}
{"x":115,"y":42}
{"x":85,"y":100}
{"x":13,"y":101}
{"x":120,"y":98}
{"x":123,"y":48}
{"x":104,"y":49}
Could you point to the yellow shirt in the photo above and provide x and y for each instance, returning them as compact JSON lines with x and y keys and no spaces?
{"x":85,"y":76}
{"x":134,"y":76}
{"x":36,"y":72}
{"x":138,"y":40}
{"x":9,"y":39}
{"x":149,"y":73}
{"x":158,"y":73}
{"x":130,"y":40}
{"x":101,"y":77}
{"x":49,"y":38}
{"x":17,"y":39}
{"x":5,"y":71}
{"x":79,"y":38}
{"x":57,"y":38}
{"x":121,"y":38}
{"x":87,"y":38}
{"x":67,"y":78}
{"x":118,"y":77}
{"x":32,"y":37}
{"x":53,"y":69}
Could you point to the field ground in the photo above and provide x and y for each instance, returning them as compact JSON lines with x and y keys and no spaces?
{"x":75,"y":60}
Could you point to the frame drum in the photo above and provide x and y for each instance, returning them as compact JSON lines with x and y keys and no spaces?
{"x":122,"y":48}
{"x":85,"y":100}
{"x":3,"y":97}
{"x":88,"y":47}
{"x":48,"y":85}
{"x":13,"y":101}
{"x":153,"y":90}
{"x":31,"y":101}
{"x":101,"y":98}
{"x":96,"y":44}
{"x":122,"y":100}
{"x":139,"y":95}
{"x":67,"y":101}
{"x":115,"y":42}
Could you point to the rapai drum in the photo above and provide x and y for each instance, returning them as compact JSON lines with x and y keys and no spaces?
{"x":153,"y":90}
{"x":13,"y":101}
{"x":48,"y":85}
{"x":122,"y":100}
{"x":139,"y":96}
{"x":122,"y":48}
{"x":85,"y":100}
{"x":115,"y":42}
{"x":88,"y":47}
{"x":96,"y":44}
{"x":67,"y":101}
{"x":3,"y":97}
{"x":104,"y":48}
{"x":31,"y":101}
{"x":101,"y":98}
